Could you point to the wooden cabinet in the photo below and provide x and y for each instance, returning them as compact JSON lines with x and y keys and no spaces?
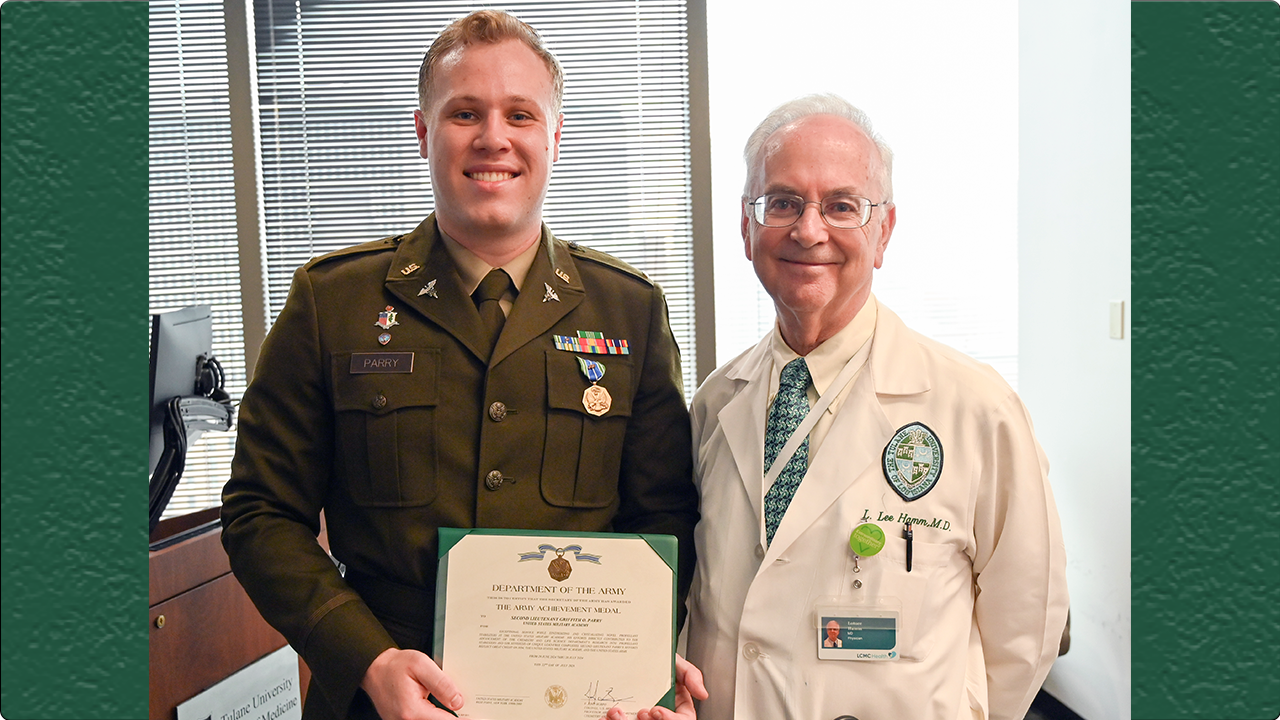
{"x":203,"y":626}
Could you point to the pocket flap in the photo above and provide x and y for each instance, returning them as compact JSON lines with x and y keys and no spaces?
{"x":384,"y":392}
{"x":566,"y":383}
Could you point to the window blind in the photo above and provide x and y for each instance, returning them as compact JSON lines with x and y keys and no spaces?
{"x":193,"y":256}
{"x":337,"y":86}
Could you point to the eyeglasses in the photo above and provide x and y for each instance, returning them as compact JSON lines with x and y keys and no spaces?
{"x":847,"y":212}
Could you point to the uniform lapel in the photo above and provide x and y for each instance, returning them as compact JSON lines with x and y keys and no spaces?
{"x":446,"y":303}
{"x":743,"y":418}
{"x":536,"y":311}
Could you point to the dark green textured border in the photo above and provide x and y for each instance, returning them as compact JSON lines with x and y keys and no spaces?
{"x":74,"y":322}
{"x":1206,"y":234}
{"x":75,"y":360}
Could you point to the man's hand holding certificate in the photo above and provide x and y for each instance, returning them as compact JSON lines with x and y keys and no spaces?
{"x":556,"y":625}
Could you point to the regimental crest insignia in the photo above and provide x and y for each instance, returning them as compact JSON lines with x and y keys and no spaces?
{"x":912,"y":461}
{"x":387,"y":318}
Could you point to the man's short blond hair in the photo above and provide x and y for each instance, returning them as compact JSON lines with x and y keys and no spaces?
{"x":488,"y":27}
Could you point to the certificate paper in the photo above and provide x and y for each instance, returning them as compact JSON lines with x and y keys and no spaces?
{"x":535,"y":624}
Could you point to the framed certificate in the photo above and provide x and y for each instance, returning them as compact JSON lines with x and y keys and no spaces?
{"x":557,"y":625}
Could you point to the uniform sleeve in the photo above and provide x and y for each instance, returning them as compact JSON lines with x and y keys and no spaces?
{"x":271,"y":507}
{"x":1019,"y":564}
{"x":655,"y":481}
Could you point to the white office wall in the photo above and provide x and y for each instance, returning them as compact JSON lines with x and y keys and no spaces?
{"x":1073,"y":250}
{"x":939,"y":81}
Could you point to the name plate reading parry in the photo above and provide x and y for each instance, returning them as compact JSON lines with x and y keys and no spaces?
{"x":381,"y":362}
{"x":539,"y":624}
{"x":268,"y":689}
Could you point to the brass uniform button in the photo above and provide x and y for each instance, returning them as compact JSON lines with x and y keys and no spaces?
{"x":493,"y":480}
{"x":159,"y":621}
{"x":379,"y":401}
{"x":497,"y":412}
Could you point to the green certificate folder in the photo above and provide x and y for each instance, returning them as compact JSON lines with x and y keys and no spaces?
{"x":553,"y":624}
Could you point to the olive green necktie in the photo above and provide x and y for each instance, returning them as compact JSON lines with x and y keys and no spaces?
{"x":486,"y":296}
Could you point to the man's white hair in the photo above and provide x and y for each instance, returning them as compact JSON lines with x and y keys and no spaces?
{"x":822,"y":104}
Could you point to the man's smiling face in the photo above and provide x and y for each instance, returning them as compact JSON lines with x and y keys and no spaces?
{"x":811,"y":268}
{"x":490,"y":134}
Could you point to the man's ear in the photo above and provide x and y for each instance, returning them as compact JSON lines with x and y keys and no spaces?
{"x":886,"y":230}
{"x":555,"y":149}
{"x":746,"y":227}
{"x":420,"y":127}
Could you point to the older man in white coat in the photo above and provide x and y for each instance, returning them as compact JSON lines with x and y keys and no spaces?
{"x":911,"y":506}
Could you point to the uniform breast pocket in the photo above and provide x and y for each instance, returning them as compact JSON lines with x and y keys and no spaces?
{"x":583,"y":452}
{"x":384,"y":433}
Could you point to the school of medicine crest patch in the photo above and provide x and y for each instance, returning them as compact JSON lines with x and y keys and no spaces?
{"x":912,"y":461}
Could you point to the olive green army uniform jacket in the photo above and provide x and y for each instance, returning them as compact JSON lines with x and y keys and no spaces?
{"x":454,"y":437}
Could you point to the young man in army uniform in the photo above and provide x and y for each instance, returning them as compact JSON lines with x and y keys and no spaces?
{"x":433,"y":379}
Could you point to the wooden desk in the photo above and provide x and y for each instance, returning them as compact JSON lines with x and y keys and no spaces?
{"x":203,"y":625}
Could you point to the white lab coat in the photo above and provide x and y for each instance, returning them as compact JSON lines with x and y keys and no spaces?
{"x":985,"y":603}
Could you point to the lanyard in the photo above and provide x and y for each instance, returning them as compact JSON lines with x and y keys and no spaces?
{"x":802,"y":432}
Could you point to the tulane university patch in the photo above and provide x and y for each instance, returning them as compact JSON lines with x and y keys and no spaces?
{"x":912,"y":461}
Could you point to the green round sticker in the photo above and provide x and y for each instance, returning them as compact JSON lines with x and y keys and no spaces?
{"x":867,"y":539}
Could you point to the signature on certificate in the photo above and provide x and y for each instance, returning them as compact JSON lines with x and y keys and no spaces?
{"x":593,"y":693}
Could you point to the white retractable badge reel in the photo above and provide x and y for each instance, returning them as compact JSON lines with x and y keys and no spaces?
{"x":855,"y":625}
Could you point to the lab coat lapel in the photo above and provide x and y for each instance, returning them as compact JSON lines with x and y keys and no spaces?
{"x":742,"y":420}
{"x":853,"y":446}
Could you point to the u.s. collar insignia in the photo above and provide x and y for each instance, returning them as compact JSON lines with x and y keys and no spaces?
{"x":562,"y":275}
{"x":429,"y":289}
{"x":550,"y":294}
{"x":387,"y":318}
{"x":409,"y":269}
{"x":912,"y":461}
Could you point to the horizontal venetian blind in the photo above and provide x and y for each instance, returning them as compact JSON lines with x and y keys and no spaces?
{"x":337,"y":87}
{"x":193,"y":255}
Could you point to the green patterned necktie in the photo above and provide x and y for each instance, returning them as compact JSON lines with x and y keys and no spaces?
{"x":788,"y":411}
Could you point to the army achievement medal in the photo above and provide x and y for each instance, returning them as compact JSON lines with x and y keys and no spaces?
{"x":912,"y":461}
{"x":387,"y":318}
{"x":559,"y":568}
{"x":595,"y":398}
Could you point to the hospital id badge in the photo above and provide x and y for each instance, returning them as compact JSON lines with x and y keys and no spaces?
{"x":848,"y":630}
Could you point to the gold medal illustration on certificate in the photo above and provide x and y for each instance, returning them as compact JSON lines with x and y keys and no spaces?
{"x":559,"y":568}
{"x":595,"y":399}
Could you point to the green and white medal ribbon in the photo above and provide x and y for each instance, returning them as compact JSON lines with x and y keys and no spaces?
{"x":595,"y":398}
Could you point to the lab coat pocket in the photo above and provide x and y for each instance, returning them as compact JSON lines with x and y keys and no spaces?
{"x":915,"y":590}
{"x":583,"y":451}
{"x":384,"y":432}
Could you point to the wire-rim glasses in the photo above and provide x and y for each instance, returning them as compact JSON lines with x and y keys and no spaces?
{"x":778,"y":210}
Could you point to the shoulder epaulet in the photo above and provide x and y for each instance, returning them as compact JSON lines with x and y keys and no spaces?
{"x":386,"y":243}
{"x":582,"y":252}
